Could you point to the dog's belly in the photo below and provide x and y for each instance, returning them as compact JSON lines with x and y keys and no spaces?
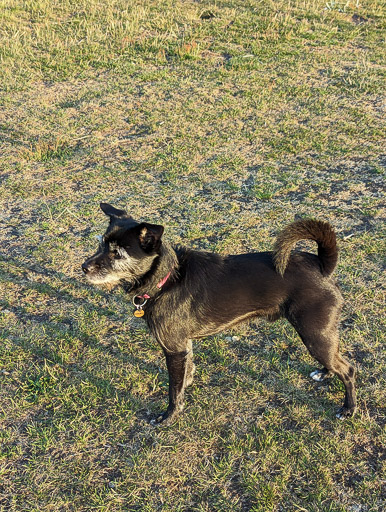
{"x":213,"y":327}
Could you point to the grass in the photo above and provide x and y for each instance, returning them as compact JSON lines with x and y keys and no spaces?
{"x":222,"y":120}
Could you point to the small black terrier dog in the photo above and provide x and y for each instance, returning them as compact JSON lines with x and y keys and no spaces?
{"x":185,"y":294}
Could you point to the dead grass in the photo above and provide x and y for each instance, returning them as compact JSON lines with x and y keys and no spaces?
{"x":222,"y":121}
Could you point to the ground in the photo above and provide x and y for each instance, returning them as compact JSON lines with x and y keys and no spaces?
{"x":223,"y":121}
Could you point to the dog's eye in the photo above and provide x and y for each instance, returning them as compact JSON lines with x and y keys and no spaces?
{"x":117,"y":254}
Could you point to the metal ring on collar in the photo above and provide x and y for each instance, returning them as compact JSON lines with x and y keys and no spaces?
{"x":141,"y":304}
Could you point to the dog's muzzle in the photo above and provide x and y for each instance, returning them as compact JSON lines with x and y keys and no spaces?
{"x":89,"y":266}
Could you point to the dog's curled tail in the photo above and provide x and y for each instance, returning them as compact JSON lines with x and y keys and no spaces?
{"x":307,"y":229}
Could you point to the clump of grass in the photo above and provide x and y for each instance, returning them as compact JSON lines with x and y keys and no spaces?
{"x":46,"y":151}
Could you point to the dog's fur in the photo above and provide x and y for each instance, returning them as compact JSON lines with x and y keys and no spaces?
{"x":206,"y":293}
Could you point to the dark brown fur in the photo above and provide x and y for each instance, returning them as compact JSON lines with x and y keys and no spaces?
{"x":206,"y":293}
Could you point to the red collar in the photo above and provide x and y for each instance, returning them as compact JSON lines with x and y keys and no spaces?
{"x":159,"y":286}
{"x":163,"y":281}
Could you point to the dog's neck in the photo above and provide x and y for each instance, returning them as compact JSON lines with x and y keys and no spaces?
{"x":164,"y":266}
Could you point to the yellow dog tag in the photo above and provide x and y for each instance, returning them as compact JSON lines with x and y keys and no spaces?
{"x":139,"y":312}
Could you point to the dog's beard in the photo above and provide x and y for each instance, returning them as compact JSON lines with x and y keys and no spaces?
{"x":109,"y":279}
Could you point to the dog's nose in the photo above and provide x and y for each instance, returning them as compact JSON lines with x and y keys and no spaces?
{"x":85,"y":268}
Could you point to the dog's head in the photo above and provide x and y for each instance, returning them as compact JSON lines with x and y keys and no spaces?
{"x":126,"y":251}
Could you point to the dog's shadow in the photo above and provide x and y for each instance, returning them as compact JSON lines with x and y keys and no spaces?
{"x":255,"y":366}
{"x":32,"y":280}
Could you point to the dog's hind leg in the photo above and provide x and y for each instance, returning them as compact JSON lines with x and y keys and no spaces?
{"x":328,"y":355}
{"x":346,"y":373}
{"x":323,"y":345}
{"x":180,"y":367}
{"x":333,"y":362}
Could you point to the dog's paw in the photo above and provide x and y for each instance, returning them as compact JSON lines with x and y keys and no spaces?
{"x":164,"y":419}
{"x":318,"y":375}
{"x":344,"y":413}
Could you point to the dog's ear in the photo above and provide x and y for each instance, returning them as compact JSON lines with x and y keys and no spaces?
{"x":150,"y":236}
{"x":111,"y":211}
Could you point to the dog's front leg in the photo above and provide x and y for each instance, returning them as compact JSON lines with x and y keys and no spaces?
{"x":177,"y":367}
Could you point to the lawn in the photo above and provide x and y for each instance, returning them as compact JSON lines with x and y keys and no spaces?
{"x":222,"y":121}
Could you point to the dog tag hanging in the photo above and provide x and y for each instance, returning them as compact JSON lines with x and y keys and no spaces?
{"x":139,"y":311}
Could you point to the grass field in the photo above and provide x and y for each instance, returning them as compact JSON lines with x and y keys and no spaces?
{"x":221,"y":120}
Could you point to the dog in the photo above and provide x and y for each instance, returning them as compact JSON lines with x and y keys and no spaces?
{"x":185,"y":294}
